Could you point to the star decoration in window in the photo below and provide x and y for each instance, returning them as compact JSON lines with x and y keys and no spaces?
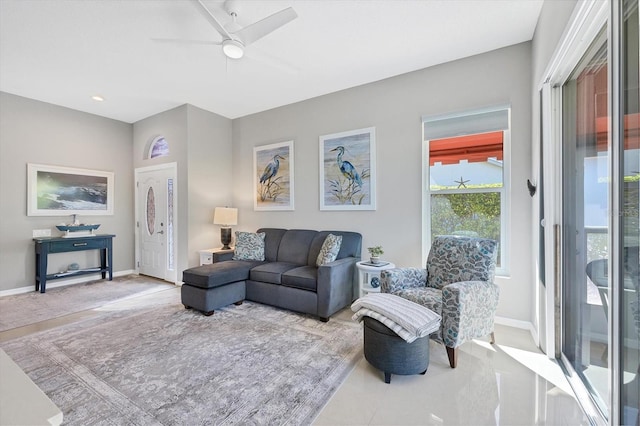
{"x":461,"y":183}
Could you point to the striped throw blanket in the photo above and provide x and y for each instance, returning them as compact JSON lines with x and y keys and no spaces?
{"x":407,"y":319}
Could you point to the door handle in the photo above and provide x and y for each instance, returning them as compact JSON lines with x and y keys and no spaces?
{"x":160,"y":232}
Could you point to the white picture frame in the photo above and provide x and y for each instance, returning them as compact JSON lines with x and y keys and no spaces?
{"x":348,"y":170}
{"x":63,"y":191}
{"x":273,"y":177}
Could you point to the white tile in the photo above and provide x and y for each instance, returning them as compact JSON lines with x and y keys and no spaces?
{"x":509,"y":383}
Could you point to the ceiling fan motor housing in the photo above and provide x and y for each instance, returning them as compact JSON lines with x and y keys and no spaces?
{"x":232,"y":7}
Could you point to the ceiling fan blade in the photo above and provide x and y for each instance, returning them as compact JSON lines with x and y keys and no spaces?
{"x":272,"y":62}
{"x":257,"y":30}
{"x":185,"y":41}
{"x":211,"y":18}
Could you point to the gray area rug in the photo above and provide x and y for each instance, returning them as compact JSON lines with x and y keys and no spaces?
{"x":248,"y":364}
{"x":29,"y":308}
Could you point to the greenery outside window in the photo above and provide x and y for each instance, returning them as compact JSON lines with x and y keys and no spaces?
{"x":465,"y":178}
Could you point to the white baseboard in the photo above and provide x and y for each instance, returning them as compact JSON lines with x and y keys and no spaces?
{"x":62,"y":282}
{"x":524,"y":325}
{"x":510,"y":322}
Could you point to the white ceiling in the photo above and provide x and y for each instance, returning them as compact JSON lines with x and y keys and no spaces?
{"x":65,"y":51}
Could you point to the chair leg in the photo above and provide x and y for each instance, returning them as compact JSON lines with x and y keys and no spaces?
{"x":452,"y":353}
{"x":492,"y":338}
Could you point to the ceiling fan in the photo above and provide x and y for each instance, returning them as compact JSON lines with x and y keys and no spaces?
{"x":234,"y":37}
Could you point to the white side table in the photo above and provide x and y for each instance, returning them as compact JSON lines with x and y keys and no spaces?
{"x":366,"y":272}
{"x":206,"y":255}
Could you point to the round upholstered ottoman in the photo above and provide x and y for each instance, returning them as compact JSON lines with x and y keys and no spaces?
{"x":388,"y":352}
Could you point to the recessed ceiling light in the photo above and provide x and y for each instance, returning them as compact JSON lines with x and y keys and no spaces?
{"x":97,"y":98}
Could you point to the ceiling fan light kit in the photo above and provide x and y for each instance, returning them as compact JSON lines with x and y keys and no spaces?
{"x":232,"y":49}
{"x":233,"y":45}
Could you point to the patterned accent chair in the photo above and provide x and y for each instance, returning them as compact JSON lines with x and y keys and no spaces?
{"x":457,"y":284}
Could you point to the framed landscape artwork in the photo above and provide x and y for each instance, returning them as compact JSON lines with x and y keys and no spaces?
{"x":348,"y":170}
{"x":273,"y":176}
{"x":63,"y":191}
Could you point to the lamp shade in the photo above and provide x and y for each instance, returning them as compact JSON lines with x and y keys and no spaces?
{"x":225,"y":216}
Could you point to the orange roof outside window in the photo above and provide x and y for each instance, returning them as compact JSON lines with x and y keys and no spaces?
{"x":473,"y":148}
{"x":631,"y":132}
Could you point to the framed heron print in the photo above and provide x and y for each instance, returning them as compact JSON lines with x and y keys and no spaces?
{"x":273,"y":176}
{"x":348,"y":170}
{"x":63,"y":191}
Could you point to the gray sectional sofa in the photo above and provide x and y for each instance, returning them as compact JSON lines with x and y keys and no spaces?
{"x":287,"y":278}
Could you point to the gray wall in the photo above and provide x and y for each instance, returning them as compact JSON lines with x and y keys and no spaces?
{"x":395,"y":106}
{"x":553,"y":20}
{"x":200,"y":143}
{"x":37,"y":132}
{"x":172,"y":125}
{"x":552,"y":23}
{"x":210,"y":177}
{"x":213,"y":171}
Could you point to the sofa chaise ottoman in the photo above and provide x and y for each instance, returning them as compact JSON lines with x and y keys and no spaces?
{"x":287,"y":275}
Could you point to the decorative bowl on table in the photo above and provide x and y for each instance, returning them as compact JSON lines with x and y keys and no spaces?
{"x":81,"y":230}
{"x":74,"y":228}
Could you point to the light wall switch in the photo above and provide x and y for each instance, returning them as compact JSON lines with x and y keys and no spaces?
{"x":39,"y":233}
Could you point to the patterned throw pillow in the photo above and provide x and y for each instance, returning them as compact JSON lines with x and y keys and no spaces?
{"x":329,"y":250}
{"x":249,"y":246}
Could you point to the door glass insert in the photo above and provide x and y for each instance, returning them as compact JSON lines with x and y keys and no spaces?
{"x":170,"y":224}
{"x":151,"y":211}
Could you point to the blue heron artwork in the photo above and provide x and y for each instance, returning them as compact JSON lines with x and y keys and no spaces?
{"x":273,"y":183}
{"x":271,"y":169}
{"x":347,"y":170}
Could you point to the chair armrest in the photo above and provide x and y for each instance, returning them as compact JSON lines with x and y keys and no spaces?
{"x":335,"y":285}
{"x":468,"y":311}
{"x":392,"y":280}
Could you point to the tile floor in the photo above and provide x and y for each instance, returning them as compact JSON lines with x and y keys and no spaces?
{"x":509,"y":383}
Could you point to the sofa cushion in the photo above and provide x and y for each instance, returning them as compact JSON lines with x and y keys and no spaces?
{"x":329,"y":251}
{"x":217,"y":274}
{"x":272,"y":239}
{"x":294,"y":246}
{"x":428,"y":297}
{"x":350,"y":246}
{"x":270,"y":272}
{"x":249,"y":246}
{"x":303,"y":277}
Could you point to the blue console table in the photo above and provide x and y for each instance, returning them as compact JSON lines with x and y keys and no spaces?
{"x":45,"y":246}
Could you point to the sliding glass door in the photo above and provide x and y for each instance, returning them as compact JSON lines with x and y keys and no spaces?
{"x":628,"y":145}
{"x":600,"y":215}
{"x":585,"y":186}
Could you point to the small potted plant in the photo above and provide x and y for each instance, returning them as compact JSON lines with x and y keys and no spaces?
{"x":375,"y":253}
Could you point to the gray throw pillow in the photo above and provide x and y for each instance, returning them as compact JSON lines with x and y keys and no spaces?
{"x":249,"y":246}
{"x":330,"y":248}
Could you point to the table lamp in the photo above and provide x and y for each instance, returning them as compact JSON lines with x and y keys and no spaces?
{"x":225,"y":216}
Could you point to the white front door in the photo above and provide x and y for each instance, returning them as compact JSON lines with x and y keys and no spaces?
{"x":154,"y":224}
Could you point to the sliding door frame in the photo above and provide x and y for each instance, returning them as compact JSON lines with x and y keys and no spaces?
{"x":588,"y":19}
